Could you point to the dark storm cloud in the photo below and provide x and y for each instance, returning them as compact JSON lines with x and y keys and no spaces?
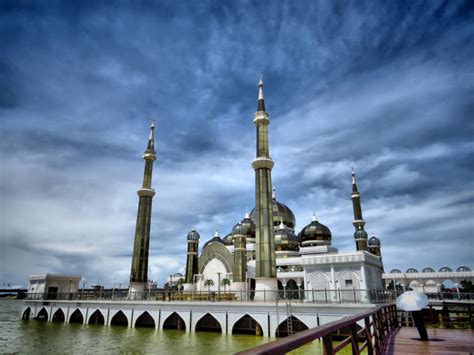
{"x":386,"y":87}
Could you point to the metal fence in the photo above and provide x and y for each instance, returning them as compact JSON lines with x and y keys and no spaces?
{"x":304,"y":296}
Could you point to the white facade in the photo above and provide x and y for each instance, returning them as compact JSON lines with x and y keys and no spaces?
{"x":53,"y":284}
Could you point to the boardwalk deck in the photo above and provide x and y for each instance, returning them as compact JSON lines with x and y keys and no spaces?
{"x":442,"y":341}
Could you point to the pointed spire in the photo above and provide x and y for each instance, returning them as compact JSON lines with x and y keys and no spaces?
{"x":151,"y":139}
{"x":354,"y":184}
{"x":261,"y":102}
{"x":314,"y":219}
{"x":247,"y":214}
{"x":216,"y":234}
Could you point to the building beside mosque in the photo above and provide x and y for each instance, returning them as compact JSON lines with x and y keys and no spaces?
{"x":264,"y":251}
{"x":428,"y":280}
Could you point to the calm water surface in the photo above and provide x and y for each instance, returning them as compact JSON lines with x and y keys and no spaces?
{"x":28,"y":337}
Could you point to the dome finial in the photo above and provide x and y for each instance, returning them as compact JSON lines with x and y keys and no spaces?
{"x":216,"y":234}
{"x":151,"y":139}
{"x":314,"y":219}
{"x":261,"y":102}
{"x":273,"y":192}
{"x":247,"y":213}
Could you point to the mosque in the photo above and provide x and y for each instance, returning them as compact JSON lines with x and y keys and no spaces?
{"x":263,"y":252}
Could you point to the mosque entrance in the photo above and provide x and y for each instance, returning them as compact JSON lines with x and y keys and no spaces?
{"x":292,"y":325}
{"x":58,"y":316}
{"x":145,"y":321}
{"x":97,"y":318}
{"x":247,"y":325}
{"x":119,"y":319}
{"x":76,"y":317}
{"x":208,"y":324}
{"x":174,"y":321}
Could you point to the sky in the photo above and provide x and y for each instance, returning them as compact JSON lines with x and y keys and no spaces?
{"x":384,"y":86}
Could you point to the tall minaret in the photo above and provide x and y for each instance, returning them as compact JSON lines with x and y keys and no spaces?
{"x":139,"y":271}
{"x":360,"y":234}
{"x":264,"y":241}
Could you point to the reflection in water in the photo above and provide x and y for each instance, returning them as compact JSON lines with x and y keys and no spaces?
{"x":32,"y":336}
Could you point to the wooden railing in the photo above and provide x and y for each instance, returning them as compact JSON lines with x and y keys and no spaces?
{"x":379,"y":325}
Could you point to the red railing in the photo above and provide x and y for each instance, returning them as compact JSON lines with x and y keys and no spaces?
{"x":379,"y":325}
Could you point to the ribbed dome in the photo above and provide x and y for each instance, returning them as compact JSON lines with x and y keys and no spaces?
{"x":285,"y":239}
{"x":229,"y":239}
{"x":374,"y":242}
{"x":280,"y":210}
{"x":193,"y":235}
{"x":315,"y":233}
{"x":427,"y":269}
{"x":396,"y":271}
{"x":360,"y":234}
{"x":248,"y":227}
{"x":445,"y":269}
{"x":238,"y":229}
{"x":411,"y":271}
{"x":462,"y":268}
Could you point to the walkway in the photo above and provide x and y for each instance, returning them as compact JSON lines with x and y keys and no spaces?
{"x":442,"y":341}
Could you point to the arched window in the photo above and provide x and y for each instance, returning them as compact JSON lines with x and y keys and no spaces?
{"x":208,"y":324}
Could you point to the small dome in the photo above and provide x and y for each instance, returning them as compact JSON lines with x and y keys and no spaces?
{"x":374,"y":242}
{"x":445,"y":269}
{"x":215,"y":239}
{"x":427,"y":269}
{"x":315,"y":233}
{"x":178,"y":274}
{"x":360,"y":234}
{"x":411,"y":270}
{"x":229,"y":239}
{"x":248,"y":227}
{"x":193,"y":235}
{"x":462,"y":268}
{"x":285,"y":239}
{"x":396,"y":271}
{"x":238,"y":229}
{"x":280,"y":210}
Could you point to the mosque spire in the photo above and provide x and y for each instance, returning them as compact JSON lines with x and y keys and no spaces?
{"x":261,"y":102}
{"x":265,"y":264}
{"x":139,"y":269}
{"x":360,"y":235}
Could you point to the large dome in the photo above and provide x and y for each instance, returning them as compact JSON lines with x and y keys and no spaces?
{"x":280,"y":211}
{"x":315,"y":233}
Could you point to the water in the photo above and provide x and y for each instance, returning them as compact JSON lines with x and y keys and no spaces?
{"x":28,"y":337}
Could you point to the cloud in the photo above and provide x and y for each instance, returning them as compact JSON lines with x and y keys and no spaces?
{"x":384,"y":87}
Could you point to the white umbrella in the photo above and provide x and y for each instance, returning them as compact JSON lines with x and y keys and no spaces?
{"x":412,"y":301}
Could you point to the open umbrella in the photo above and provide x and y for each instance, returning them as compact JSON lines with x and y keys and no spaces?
{"x":412,"y":301}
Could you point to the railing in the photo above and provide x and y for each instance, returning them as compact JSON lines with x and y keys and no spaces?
{"x":302,"y":296}
{"x":379,"y":325}
{"x":443,"y":314}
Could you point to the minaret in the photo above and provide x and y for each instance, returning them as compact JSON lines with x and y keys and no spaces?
{"x":192,"y":260}
{"x":240,"y":259}
{"x":360,"y":234}
{"x":139,"y":272}
{"x":264,"y":241}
